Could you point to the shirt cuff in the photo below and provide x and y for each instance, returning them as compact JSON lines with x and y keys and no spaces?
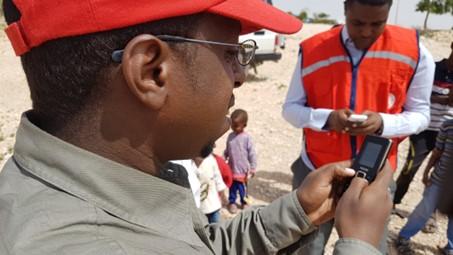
{"x":388,"y":125}
{"x":354,"y":247}
{"x":285,"y":221}
{"x":319,"y":119}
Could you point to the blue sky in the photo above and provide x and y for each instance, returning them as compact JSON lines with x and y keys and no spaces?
{"x":407,"y":16}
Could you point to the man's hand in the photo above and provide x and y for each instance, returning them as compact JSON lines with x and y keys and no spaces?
{"x":368,"y":127}
{"x":363,"y":210}
{"x":321,"y":189}
{"x":426,"y":177}
{"x":433,"y":159}
{"x":338,"y":120}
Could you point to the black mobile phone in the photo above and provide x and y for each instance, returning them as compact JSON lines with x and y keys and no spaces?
{"x":371,"y":159}
{"x":372,"y":156}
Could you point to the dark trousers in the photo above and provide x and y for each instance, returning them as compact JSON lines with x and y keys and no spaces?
{"x":235,"y":188}
{"x":319,"y":241}
{"x":420,"y":146}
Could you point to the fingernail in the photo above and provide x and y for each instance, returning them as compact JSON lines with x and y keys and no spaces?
{"x":350,"y":171}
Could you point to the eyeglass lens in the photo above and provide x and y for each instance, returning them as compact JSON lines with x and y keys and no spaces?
{"x":246,"y":52}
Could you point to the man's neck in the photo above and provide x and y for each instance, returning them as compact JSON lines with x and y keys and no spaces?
{"x":113,"y":147}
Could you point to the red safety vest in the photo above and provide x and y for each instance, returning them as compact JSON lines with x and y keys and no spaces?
{"x":379,"y":83}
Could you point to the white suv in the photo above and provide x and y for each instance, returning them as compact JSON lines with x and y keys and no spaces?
{"x":268,"y":42}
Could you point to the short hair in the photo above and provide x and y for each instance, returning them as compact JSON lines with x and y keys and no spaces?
{"x":240,"y":115}
{"x":369,"y":2}
{"x":69,"y":75}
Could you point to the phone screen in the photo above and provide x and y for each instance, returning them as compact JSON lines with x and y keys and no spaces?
{"x":371,"y":154}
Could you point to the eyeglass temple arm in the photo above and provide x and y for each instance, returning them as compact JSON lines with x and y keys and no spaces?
{"x":117,"y":55}
{"x":183,"y":39}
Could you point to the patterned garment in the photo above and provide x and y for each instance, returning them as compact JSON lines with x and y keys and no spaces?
{"x":443,"y":82}
{"x":444,"y":143}
{"x":211,"y":183}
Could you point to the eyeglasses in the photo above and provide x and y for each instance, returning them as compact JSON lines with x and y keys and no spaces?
{"x":245,"y":50}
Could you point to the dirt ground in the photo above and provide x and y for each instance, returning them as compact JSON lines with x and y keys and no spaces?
{"x":278,"y":144}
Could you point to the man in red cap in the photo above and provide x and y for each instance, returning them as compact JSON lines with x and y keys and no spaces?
{"x":117,"y":88}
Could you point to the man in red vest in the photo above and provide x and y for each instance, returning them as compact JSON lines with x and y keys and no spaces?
{"x":365,"y":67}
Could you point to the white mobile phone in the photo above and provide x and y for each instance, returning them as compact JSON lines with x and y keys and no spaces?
{"x":357,"y":118}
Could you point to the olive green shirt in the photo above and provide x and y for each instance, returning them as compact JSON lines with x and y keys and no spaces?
{"x":56,"y":198}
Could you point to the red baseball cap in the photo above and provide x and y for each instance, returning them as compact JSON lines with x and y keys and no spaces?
{"x":45,"y":20}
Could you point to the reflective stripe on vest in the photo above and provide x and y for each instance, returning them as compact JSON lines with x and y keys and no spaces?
{"x":370,"y":54}
{"x":393,"y":56}
{"x":324,"y":63}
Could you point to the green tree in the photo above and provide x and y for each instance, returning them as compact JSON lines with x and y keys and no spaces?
{"x":303,"y":15}
{"x":323,"y":15}
{"x":434,"y":6}
{"x":322,"y":18}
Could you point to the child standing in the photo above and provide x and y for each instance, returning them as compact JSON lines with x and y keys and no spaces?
{"x":441,"y":158}
{"x":241,"y":156}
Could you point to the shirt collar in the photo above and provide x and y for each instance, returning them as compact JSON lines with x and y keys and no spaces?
{"x":345,"y":37}
{"x":127,"y":193}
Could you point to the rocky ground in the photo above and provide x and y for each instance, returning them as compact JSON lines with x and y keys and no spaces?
{"x":277,"y":143}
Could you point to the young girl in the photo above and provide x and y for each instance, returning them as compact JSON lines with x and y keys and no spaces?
{"x":241,"y":156}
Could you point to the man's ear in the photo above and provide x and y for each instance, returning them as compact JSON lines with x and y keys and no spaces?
{"x":145,"y":64}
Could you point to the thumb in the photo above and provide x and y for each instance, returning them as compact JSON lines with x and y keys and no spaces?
{"x":343,"y":172}
{"x":348,"y":112}
{"x":335,"y":170}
